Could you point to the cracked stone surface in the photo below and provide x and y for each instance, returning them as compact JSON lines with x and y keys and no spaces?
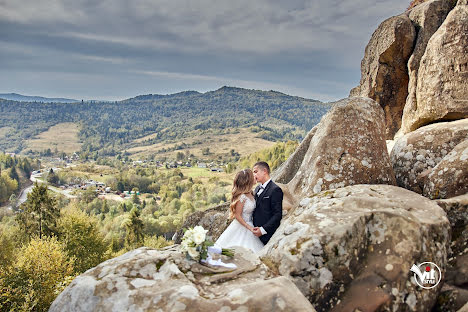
{"x":353,"y":247}
{"x":353,"y":153}
{"x":384,"y":73}
{"x":441,"y":88}
{"x":163,"y":280}
{"x":415,"y":154}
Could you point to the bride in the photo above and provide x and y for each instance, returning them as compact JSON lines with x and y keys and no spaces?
{"x":240,"y":231}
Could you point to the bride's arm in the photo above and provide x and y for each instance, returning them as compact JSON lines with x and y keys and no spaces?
{"x":238,"y":215}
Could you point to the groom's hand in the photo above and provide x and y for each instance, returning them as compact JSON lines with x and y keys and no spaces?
{"x":257,"y":232}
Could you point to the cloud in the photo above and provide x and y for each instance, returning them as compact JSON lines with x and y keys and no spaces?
{"x":278,"y":43}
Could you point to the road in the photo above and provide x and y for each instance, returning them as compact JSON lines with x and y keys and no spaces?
{"x":36,"y":178}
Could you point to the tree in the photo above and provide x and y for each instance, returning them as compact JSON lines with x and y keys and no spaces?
{"x":81,"y":238}
{"x":40,"y":213}
{"x":120,"y":186}
{"x":14,"y":174}
{"x":180,"y":156}
{"x":136,"y":199}
{"x":52,"y":178}
{"x":41,"y":271}
{"x":134,"y":228}
{"x":13,"y":200}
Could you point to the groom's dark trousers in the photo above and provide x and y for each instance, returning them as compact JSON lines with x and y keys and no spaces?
{"x":269,"y":209}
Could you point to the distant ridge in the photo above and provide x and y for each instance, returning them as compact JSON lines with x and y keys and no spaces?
{"x":26,"y":98}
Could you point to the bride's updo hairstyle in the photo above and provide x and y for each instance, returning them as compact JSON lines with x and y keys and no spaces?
{"x":243,"y":183}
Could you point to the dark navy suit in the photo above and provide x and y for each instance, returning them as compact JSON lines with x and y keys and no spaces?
{"x":269,"y":209}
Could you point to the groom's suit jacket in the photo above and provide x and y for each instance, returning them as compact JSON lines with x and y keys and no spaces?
{"x":268,"y":210}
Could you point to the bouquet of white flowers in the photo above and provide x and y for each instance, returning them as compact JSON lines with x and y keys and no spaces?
{"x":197,"y":247}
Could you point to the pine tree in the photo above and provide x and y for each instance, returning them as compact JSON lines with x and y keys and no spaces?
{"x":40,"y":213}
{"x":134,"y":227}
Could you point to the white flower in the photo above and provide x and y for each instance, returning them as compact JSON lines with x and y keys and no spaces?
{"x":184,"y":246}
{"x":199,"y":235}
{"x":192,"y":251}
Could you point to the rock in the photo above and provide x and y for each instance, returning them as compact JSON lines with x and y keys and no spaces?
{"x":456,"y":209}
{"x":289,"y":168}
{"x":449,"y":177}
{"x":441,"y":91}
{"x":390,"y":145}
{"x":163,"y":280}
{"x":353,"y":247}
{"x":417,"y":152}
{"x":384,"y":74}
{"x":451,"y":298}
{"x":457,"y":273}
{"x":215,"y":220}
{"x":427,"y":18}
{"x":354,"y":152}
{"x":464,"y":308}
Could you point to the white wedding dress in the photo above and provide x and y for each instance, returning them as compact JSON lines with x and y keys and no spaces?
{"x":238,"y":235}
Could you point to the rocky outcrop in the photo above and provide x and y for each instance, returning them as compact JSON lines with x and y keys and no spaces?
{"x":449,"y":177}
{"x":384,"y":74}
{"x":351,"y":249}
{"x":427,"y":18}
{"x":163,"y":280}
{"x":215,"y":220}
{"x":289,"y":168}
{"x":415,"y":154}
{"x":441,"y":89}
{"x":352,"y":153}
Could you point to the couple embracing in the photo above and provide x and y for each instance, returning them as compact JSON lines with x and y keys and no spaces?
{"x":256,"y":214}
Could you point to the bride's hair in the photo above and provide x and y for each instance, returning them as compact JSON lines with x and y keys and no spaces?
{"x":243,"y":183}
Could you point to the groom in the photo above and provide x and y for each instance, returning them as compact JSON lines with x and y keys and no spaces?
{"x":269,"y":203}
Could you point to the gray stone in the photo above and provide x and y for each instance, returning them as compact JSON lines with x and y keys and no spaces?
{"x":427,"y":18}
{"x":456,"y":209}
{"x":449,"y":177}
{"x":215,"y":220}
{"x":163,"y":280}
{"x":441,"y":88}
{"x":415,"y":154}
{"x":353,"y":247}
{"x":384,"y":74}
{"x":348,"y":148}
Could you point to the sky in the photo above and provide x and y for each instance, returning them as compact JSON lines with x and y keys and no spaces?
{"x":112,"y":50}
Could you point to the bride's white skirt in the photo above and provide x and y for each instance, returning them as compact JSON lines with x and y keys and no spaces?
{"x":238,"y":235}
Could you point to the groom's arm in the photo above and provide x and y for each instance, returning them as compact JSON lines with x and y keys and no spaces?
{"x":277,"y":209}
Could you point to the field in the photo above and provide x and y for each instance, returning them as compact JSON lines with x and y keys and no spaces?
{"x":63,"y":137}
{"x":242,"y":141}
{"x":5,"y":130}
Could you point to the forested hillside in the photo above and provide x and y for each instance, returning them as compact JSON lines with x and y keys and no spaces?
{"x":111,"y":127}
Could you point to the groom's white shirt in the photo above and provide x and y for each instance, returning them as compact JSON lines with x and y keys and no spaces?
{"x":260,"y":192}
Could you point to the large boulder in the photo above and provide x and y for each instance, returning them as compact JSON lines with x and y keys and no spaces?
{"x":384,"y":74}
{"x":351,"y":249}
{"x":449,"y":177}
{"x":441,"y":91}
{"x":348,"y":148}
{"x":416,"y":153}
{"x":163,"y":280}
{"x":289,"y":168}
{"x":427,"y":18}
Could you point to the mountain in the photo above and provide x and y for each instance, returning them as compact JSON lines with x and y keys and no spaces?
{"x":26,"y":98}
{"x":108,"y":128}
